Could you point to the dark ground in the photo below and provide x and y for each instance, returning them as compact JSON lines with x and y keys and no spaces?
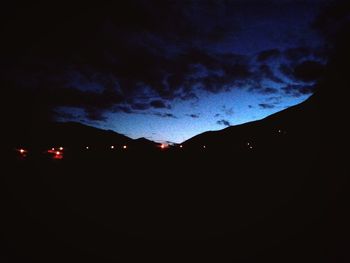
{"x":170,"y":206}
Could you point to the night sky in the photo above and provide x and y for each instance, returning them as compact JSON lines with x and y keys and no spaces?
{"x":163,"y":70}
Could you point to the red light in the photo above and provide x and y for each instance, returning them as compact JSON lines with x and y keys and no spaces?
{"x":58,"y":156}
{"x":164,"y":146}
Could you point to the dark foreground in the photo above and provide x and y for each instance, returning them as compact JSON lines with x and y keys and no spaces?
{"x":168,"y":207}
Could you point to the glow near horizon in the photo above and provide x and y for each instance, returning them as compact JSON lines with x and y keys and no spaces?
{"x":177,"y":130}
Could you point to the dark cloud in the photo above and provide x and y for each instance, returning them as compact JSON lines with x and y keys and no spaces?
{"x":128,"y":70}
{"x":217,"y":115}
{"x":95,"y":115}
{"x":140,"y":106}
{"x":268,"y":90}
{"x":309,"y":71}
{"x":43,"y":103}
{"x":266,"y":106}
{"x":286,"y":70}
{"x":66,"y":115}
{"x":224,"y":122}
{"x":298,"y":53}
{"x":275,"y":100}
{"x":298,"y":90}
{"x":266,"y":72}
{"x":189,"y":96}
{"x":227,"y":111}
{"x":165,"y":115}
{"x":123,"y":108}
{"x":194,"y":116}
{"x":213,"y":72}
{"x":268,"y":54}
{"x":306,"y":71}
{"x":161,"y":50}
{"x":259,"y":88}
{"x":159,"y":104}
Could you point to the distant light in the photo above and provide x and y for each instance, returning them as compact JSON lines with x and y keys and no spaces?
{"x":112,"y":147}
{"x":52,"y":149}
{"x":21,"y":150}
{"x":250,"y":147}
{"x":279,"y":130}
{"x":61,"y":148}
{"x":124,"y":147}
{"x":204,"y":147}
{"x":181,"y":146}
{"x":87,"y":147}
{"x":248,"y":143}
{"x":58,"y":156}
{"x":162,"y":146}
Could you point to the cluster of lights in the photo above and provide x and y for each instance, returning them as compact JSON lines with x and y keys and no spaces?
{"x":113,"y":147}
{"x":57,"y":152}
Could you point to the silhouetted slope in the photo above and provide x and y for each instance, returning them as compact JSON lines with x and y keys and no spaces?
{"x":144,"y":144}
{"x":297,"y":126}
{"x":244,"y":205}
{"x":74,"y":136}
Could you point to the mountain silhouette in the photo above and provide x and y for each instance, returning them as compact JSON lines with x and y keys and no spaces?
{"x":255,"y":191}
{"x":75,"y":136}
{"x":288,"y":130}
{"x":297,"y":127}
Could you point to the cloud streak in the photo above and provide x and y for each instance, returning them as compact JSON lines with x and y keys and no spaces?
{"x":224,"y":123}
